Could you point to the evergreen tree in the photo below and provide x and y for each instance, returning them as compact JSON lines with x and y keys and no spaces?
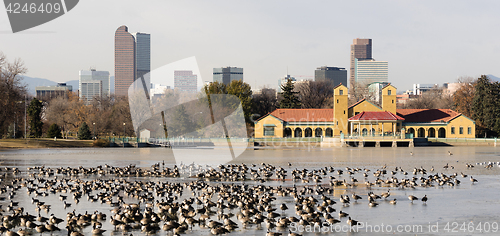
{"x":54,"y":131}
{"x":289,"y":97}
{"x":35,"y":118}
{"x":84,"y":132}
{"x":486,"y":107}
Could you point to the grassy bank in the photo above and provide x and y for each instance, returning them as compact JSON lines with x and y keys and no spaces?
{"x":44,"y":143}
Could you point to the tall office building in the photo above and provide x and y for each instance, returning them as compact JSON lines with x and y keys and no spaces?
{"x":367,"y":71}
{"x":185,"y":81}
{"x":93,"y":83}
{"x":142,"y":54}
{"x":132,"y":58}
{"x":227,"y":74}
{"x":361,"y":49}
{"x":335,"y":75}
{"x":125,"y":65}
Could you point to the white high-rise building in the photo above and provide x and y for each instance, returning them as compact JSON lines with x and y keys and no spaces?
{"x":93,"y":83}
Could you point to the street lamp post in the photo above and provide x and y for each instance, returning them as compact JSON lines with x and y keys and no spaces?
{"x":123,"y":141}
{"x":94,"y":131}
{"x":25,"y":116}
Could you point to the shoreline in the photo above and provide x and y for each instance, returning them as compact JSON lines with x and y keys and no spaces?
{"x":43,"y":143}
{"x":6,"y":144}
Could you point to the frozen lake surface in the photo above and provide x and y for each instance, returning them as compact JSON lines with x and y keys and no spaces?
{"x":461,"y":209}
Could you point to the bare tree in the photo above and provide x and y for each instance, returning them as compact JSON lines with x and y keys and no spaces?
{"x":360,"y":91}
{"x":433,"y":99}
{"x":314,"y":94}
{"x":12,"y":93}
{"x":264,"y":102}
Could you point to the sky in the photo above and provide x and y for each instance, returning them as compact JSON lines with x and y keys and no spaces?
{"x":423,"y":41}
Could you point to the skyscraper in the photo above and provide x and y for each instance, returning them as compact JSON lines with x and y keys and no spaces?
{"x":132,"y":58}
{"x":335,"y":75}
{"x":361,"y":49}
{"x":125,"y":65}
{"x":93,"y":83}
{"x":142,"y":54}
{"x":185,"y":81}
{"x":367,"y":71}
{"x":227,"y":74}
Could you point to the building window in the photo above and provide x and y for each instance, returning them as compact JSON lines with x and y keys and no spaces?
{"x":337,"y":101}
{"x":341,"y":92}
{"x":452,"y":130}
{"x":469,"y":130}
{"x":389,"y":92}
{"x":461,"y":130}
{"x":392,"y":101}
{"x":268,"y":131}
{"x":344,"y":112}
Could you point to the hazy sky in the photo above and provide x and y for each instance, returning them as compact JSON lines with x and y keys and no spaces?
{"x":423,"y":41}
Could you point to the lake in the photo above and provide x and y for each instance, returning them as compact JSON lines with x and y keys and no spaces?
{"x":462,"y":209}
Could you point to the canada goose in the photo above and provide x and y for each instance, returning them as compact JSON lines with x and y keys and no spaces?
{"x":352,"y":222}
{"x":411,"y":153}
{"x":372,"y":204}
{"x":473,"y":180}
{"x":97,"y":231}
{"x":424,"y":199}
{"x":393,"y":202}
{"x":269,"y":233}
{"x":449,"y":153}
{"x":446,"y":166}
{"x":386,"y":195}
{"x":412,"y":198}
{"x":343,"y":214}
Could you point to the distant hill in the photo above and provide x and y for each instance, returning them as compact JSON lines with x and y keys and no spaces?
{"x":493,"y":78}
{"x":32,"y":83}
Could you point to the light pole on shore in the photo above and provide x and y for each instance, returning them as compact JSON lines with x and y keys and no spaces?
{"x":123,"y":140}
{"x":24,"y":116}
{"x":94,"y":131}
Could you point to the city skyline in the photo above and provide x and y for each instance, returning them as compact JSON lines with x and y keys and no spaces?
{"x":445,"y":40}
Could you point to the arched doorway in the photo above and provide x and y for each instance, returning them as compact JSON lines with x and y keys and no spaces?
{"x":287,"y":133}
{"x":411,"y":131}
{"x":441,"y":133}
{"x":372,"y":132}
{"x":365,"y":131}
{"x":329,"y":132}
{"x":421,"y":133}
{"x":432,"y":133}
{"x":308,"y":132}
{"x":318,"y":132}
{"x":298,"y":132}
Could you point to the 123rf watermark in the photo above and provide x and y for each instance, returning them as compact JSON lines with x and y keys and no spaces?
{"x":438,"y":227}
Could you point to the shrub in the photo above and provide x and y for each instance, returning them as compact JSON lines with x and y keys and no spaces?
{"x":54,"y":131}
{"x":101,"y":143}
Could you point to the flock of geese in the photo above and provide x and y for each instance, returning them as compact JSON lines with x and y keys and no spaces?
{"x":220,"y":199}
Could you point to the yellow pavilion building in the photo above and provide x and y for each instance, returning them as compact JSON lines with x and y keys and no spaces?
{"x":364,"y":119}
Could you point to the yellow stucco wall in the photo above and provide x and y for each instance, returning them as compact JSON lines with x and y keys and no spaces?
{"x":340,"y":110}
{"x":363,"y":106}
{"x":463,"y":122}
{"x":458,"y":122}
{"x":268,"y":120}
{"x":389,"y":101}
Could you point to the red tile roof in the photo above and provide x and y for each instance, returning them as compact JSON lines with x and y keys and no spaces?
{"x":427,"y":115}
{"x":375,"y":115}
{"x":303,"y":115}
